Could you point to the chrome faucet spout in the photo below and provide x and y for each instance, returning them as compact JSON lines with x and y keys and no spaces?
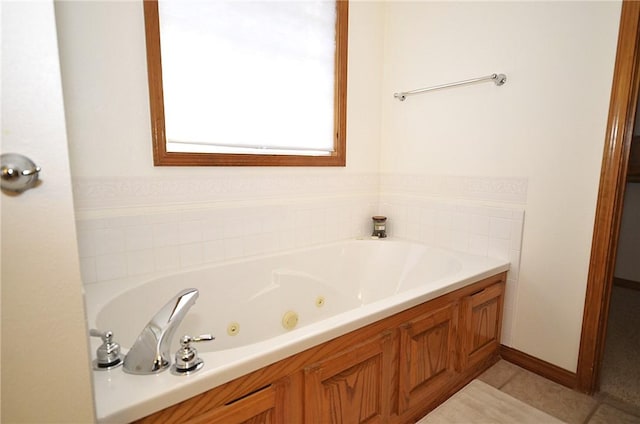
{"x":150,"y":353}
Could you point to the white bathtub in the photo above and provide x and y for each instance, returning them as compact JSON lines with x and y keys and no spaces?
{"x":333,"y":289}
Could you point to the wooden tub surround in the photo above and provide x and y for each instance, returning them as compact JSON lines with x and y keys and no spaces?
{"x":392,"y":371}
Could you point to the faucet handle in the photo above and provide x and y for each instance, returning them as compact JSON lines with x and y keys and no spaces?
{"x":185,"y":340}
{"x":187,"y":360}
{"x":108,"y":355}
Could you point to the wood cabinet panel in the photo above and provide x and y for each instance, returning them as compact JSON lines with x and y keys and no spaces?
{"x":482,"y":318}
{"x":265,"y":406}
{"x":428,"y":362}
{"x":351,"y":387}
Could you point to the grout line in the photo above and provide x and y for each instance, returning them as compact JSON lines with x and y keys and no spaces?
{"x":508,"y":380}
{"x":600,"y":400}
{"x":593,"y":412}
{"x":619,"y":404}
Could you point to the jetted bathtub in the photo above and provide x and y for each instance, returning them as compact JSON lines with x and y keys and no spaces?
{"x":317,"y":293}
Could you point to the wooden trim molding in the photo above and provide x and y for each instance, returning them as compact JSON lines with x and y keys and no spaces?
{"x":627,"y":284}
{"x":161,"y":157}
{"x":624,"y":95}
{"x":538,"y":366}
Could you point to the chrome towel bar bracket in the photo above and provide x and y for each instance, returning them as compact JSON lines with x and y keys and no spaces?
{"x":498,"y":79}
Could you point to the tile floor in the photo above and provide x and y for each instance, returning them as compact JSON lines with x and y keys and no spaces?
{"x":479,"y":402}
{"x":523,"y":387}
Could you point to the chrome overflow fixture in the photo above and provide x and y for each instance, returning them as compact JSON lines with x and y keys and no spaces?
{"x":379,"y":226}
{"x":19,"y":173}
{"x":187,"y":360}
{"x":108,"y":355}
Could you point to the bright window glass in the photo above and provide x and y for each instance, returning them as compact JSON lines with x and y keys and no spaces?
{"x":248,"y":77}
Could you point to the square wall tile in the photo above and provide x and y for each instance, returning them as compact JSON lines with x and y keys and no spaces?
{"x":140,"y":262}
{"x":500,"y":228}
{"x":88,"y":271}
{"x":233,"y":227}
{"x":514,"y":260}
{"x":138,"y":237}
{"x":460,"y":241}
{"x":166,"y":259}
{"x":478,"y":245}
{"x":111,"y":266}
{"x":191,"y":254}
{"x":190,"y":231}
{"x":461,"y":222}
{"x":166,"y":234}
{"x":516,"y":234}
{"x":89,"y":224}
{"x":109,"y":240}
{"x":212,"y":229}
{"x":303,"y":236}
{"x":87,"y":241}
{"x":479,"y":225}
{"x":233,"y":247}
{"x":287,"y":239}
{"x":260,"y":243}
{"x":498,"y":248}
{"x":213,"y":251}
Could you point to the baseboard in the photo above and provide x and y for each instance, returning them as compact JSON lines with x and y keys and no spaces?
{"x":540,"y":367}
{"x":628,"y":284}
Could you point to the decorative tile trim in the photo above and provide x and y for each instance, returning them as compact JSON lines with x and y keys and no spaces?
{"x":120,"y":192}
{"x":497,"y":189}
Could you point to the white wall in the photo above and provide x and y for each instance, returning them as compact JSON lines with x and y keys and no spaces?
{"x":533,"y":144}
{"x":546,"y":126}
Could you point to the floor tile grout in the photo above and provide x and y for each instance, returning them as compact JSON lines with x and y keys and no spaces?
{"x":617,"y":403}
{"x":508,"y":380}
{"x":593,"y":412}
{"x":590,"y":404}
{"x":560,"y":402}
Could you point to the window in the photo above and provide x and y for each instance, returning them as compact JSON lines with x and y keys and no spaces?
{"x":247,"y":83}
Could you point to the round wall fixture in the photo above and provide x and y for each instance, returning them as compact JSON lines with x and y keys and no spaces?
{"x":289,"y":320}
{"x":233,"y":329}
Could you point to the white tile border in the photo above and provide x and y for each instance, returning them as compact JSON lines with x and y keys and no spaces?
{"x":493,"y":189}
{"x":127,"y":192}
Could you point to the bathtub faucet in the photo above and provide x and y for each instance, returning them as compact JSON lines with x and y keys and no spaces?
{"x":150,"y":353}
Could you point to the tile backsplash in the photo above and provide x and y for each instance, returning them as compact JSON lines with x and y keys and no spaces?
{"x":123,"y":246}
{"x":128,"y":229}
